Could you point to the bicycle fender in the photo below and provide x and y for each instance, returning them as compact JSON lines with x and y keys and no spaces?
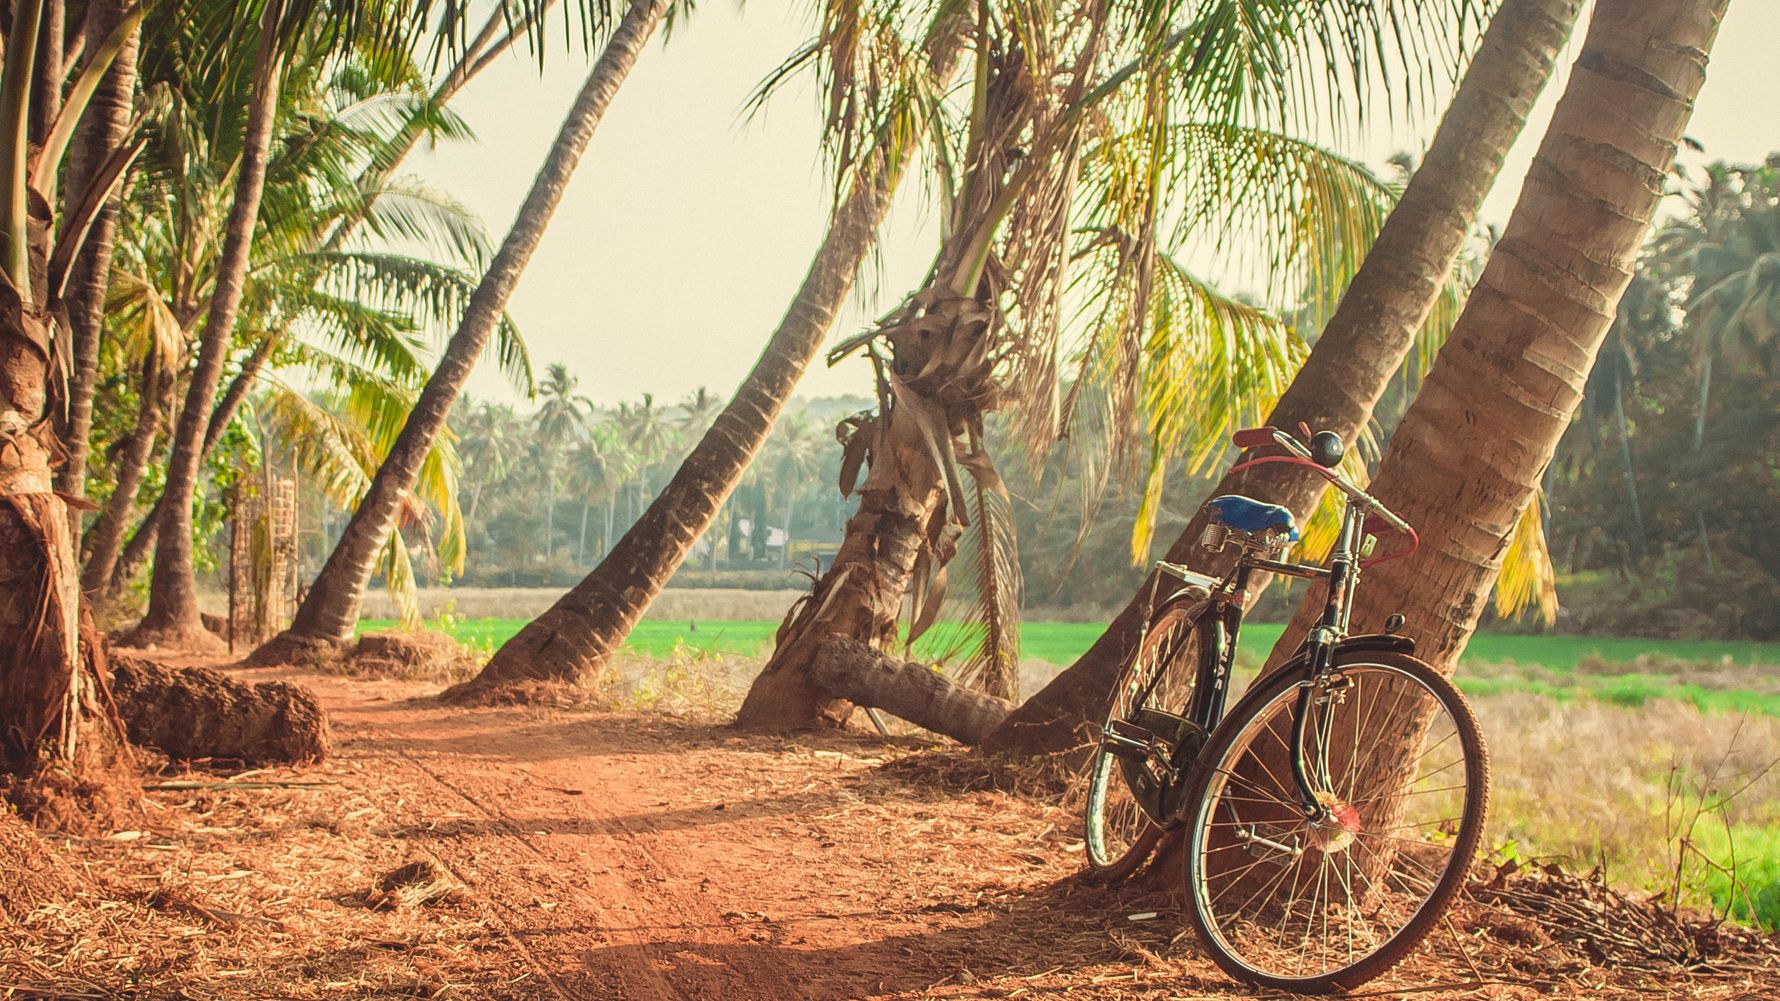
{"x":1382,"y":642}
{"x":1387,"y":642}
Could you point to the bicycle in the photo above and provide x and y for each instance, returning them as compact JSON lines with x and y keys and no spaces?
{"x":1320,"y":847}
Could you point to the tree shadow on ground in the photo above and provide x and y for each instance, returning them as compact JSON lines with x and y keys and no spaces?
{"x":1035,"y":939}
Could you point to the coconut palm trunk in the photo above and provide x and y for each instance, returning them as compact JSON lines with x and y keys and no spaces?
{"x":131,"y":467}
{"x":101,"y":132}
{"x":575,"y":637}
{"x":330,"y":611}
{"x":104,"y":582}
{"x":1366,"y":340}
{"x":1469,"y":454}
{"x":47,"y":701}
{"x":172,"y":617}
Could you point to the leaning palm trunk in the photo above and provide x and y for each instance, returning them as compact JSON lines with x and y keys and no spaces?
{"x":1470,"y":452}
{"x":573,"y":639}
{"x":1364,"y":344}
{"x":131,"y":466}
{"x":172,"y":617}
{"x":101,"y":132}
{"x":330,"y":612}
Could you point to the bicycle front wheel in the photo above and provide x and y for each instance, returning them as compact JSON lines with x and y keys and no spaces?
{"x":1130,"y":788}
{"x":1400,"y":777}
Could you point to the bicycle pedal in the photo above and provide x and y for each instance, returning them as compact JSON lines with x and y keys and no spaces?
{"x":1126,"y":741}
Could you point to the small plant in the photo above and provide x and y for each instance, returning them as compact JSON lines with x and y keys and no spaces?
{"x":1702,"y":842}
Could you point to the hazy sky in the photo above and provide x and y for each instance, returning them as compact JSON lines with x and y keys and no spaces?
{"x":688,"y":226}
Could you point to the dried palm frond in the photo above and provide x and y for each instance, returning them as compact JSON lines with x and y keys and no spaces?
{"x":980,"y":634}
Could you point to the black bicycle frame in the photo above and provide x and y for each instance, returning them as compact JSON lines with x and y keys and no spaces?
{"x":1211,"y":686}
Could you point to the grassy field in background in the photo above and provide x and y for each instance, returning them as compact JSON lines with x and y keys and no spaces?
{"x":1063,"y":642}
{"x":1716,"y":676}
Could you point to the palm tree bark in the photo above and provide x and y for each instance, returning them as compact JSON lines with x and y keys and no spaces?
{"x":1364,"y":344}
{"x":46,"y":686}
{"x":102,"y":130}
{"x":172,"y":616}
{"x":573,"y":640}
{"x":860,"y":596}
{"x":330,"y":611}
{"x":1468,"y":457}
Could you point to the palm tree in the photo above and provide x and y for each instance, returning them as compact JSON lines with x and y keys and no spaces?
{"x":339,"y":440}
{"x":574,"y":638}
{"x":172,"y":617}
{"x":350,"y":302}
{"x":1385,"y":307}
{"x":426,"y":117}
{"x":330,"y":611}
{"x":103,"y":130}
{"x":1518,"y":359}
{"x":561,"y":419}
{"x":1068,"y":180}
{"x":47,"y":706}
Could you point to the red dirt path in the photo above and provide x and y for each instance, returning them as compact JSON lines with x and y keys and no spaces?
{"x":617,"y":856}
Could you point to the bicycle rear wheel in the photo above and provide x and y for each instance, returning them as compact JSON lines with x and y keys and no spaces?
{"x":1396,"y":759}
{"x":1128,"y":788}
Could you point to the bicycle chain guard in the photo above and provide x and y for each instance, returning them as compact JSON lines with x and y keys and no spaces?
{"x":1154,"y":776}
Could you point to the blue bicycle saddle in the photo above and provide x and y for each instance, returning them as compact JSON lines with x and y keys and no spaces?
{"x":1245,"y":514}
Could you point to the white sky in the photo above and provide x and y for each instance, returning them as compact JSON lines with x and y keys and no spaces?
{"x":688,"y":227}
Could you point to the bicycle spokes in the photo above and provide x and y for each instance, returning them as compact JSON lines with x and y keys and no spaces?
{"x":1135,"y":780}
{"x":1299,"y":891}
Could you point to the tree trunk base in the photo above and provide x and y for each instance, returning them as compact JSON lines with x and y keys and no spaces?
{"x":783,"y":698}
{"x":193,"y":639}
{"x":554,"y":694}
{"x":908,"y":689}
{"x":290,"y":649}
{"x":197,"y":712}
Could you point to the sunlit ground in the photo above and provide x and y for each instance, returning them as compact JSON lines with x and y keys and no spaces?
{"x":1654,"y":756}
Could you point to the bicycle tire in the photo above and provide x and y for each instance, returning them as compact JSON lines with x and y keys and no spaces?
{"x":1398,"y":870}
{"x":1117,"y":833}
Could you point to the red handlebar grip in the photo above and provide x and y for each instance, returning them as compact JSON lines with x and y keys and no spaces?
{"x":1252,"y":437}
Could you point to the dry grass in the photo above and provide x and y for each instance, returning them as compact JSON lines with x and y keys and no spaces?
{"x":254,"y":887}
{"x":1651,"y":792}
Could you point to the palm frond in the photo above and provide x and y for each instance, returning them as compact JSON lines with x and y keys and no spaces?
{"x":433,"y":295}
{"x":980,"y":617}
{"x":1528,"y":579}
{"x":1210,"y":365}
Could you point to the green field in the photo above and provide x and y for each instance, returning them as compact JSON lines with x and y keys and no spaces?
{"x":1716,"y":676}
{"x":1062,"y":642}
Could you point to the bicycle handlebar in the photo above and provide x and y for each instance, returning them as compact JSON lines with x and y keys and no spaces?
{"x":1250,"y":438}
